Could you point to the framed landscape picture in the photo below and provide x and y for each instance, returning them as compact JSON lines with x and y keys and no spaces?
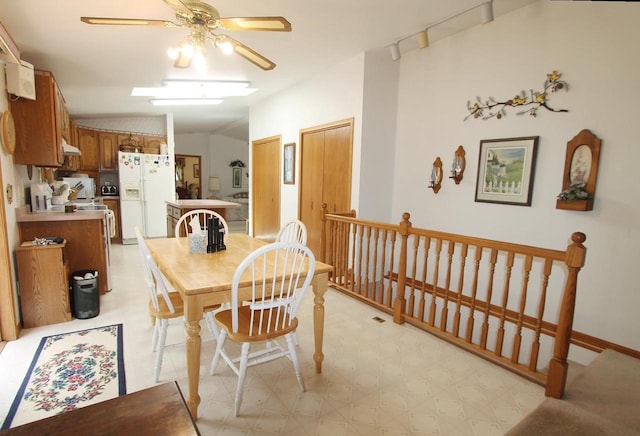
{"x":505,"y":170}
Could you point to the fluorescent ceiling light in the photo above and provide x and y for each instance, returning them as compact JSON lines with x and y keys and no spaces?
{"x":196,"y":89}
{"x":184,"y":101}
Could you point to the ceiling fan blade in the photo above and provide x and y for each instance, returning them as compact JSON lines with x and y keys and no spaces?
{"x":127,"y":21}
{"x":274,"y":24}
{"x":178,"y":6}
{"x":249,"y":54}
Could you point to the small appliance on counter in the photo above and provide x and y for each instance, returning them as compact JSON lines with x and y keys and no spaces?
{"x":40,"y":196}
{"x":109,"y":190}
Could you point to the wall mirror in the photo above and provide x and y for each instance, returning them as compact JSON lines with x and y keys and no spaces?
{"x":188,"y":179}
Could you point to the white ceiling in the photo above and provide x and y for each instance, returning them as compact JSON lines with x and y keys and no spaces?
{"x":97,"y":66}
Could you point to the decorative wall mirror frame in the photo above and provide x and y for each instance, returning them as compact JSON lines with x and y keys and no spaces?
{"x":581,"y":168}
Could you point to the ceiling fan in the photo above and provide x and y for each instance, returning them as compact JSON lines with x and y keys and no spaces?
{"x":202,"y":19}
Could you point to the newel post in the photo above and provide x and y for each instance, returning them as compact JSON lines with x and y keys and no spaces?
{"x":558,"y":366}
{"x":400,"y":303}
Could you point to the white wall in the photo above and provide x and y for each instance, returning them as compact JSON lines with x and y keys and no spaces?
{"x":334,"y":94}
{"x":594,"y":46}
{"x":216,"y":152}
{"x":223,"y":151}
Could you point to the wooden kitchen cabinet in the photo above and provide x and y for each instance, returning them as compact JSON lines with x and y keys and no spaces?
{"x":86,"y":243}
{"x":152,"y":144}
{"x":108,"y":151}
{"x":114,"y":205}
{"x":39,"y":124}
{"x":44,"y":286}
{"x":131,"y":139}
{"x":88,"y":145}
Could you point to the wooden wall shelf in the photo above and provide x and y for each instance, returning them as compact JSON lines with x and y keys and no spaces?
{"x":581,"y":205}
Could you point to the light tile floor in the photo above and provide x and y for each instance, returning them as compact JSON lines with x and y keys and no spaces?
{"x":377,"y":379}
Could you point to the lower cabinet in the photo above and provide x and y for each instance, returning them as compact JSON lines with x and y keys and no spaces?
{"x":114,"y":206}
{"x":44,"y":284}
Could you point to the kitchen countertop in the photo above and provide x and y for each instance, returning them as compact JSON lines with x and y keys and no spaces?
{"x":23,"y":215}
{"x":203,"y":203}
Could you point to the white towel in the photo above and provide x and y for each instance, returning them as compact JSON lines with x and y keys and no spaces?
{"x":112,"y":223}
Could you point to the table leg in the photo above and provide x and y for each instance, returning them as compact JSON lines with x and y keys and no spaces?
{"x":193,"y":311}
{"x":319,"y":284}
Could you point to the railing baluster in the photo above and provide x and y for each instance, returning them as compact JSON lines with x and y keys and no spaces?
{"x":515,"y":353}
{"x":367,"y":259}
{"x":411,"y":302}
{"x":434,"y":285}
{"x":505,"y":300}
{"x":447,"y":283}
{"x":485,"y":322}
{"x":535,"y":346}
{"x":456,"y":318}
{"x":425,"y":267}
{"x":474,"y":290}
{"x":390,"y":298}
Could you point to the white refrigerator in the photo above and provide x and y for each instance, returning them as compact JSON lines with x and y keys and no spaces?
{"x":147,"y":181}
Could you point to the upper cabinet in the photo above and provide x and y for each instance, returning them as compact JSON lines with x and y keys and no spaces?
{"x":40,"y":124}
{"x":88,"y":145}
{"x":108,"y":151}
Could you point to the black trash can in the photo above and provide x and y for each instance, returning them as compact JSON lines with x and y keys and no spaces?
{"x":85,"y":294}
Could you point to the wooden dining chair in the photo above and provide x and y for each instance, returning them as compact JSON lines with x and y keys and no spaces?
{"x":202,"y":215}
{"x":293,"y":231}
{"x":271,"y":310}
{"x":165,"y":304}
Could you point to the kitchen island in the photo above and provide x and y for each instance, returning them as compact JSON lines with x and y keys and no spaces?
{"x":177,"y":208}
{"x":85,"y":232}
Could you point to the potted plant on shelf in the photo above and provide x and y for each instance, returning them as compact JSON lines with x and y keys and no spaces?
{"x":575,"y":198}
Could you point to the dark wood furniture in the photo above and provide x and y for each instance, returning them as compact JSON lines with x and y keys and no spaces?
{"x":157,"y":411}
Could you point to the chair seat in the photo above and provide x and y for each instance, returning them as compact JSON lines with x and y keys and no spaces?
{"x":223,"y":318}
{"x":165,"y":313}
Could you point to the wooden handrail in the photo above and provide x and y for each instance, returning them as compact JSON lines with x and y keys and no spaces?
{"x":478,"y":293}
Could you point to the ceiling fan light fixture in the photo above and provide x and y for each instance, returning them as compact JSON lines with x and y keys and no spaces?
{"x":225,"y":47}
{"x":184,"y":101}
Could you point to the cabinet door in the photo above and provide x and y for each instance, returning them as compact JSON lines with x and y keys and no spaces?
{"x":132,"y":139}
{"x":88,"y":145}
{"x":108,"y":151}
{"x":38,"y":137}
{"x":152,"y":144}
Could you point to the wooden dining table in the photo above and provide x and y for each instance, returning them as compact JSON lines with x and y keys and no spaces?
{"x":203,"y":279}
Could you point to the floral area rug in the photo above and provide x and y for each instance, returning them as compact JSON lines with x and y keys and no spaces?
{"x":70,"y":371}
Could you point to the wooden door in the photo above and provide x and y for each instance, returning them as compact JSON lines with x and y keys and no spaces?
{"x":311,"y":186}
{"x":265,"y":192}
{"x":325,"y":175}
{"x":337,"y":169}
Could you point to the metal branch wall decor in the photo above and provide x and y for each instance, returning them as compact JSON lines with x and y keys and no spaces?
{"x":526,"y":103}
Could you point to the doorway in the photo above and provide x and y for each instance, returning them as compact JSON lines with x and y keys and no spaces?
{"x":188,"y":176}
